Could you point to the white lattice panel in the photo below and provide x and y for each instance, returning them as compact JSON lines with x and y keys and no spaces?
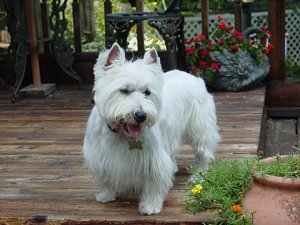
{"x":192,"y":27}
{"x":292,"y":27}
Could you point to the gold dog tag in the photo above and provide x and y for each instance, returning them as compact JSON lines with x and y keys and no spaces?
{"x":135,"y":144}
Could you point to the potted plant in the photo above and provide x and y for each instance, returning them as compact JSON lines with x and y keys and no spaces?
{"x":275,"y":192}
{"x":229,"y":187}
{"x":230,"y":60}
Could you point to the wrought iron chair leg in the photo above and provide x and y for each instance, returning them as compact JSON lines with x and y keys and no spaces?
{"x":62,"y":51}
{"x":118,"y":31}
{"x":20,"y":65}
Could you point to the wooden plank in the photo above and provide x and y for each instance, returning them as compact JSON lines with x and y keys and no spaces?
{"x":283,"y":94}
{"x":280,"y":136}
{"x":42,"y":173}
{"x":283,"y":112}
{"x":262,"y":140}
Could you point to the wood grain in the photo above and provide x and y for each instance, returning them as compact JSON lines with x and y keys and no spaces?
{"x":43,"y":179}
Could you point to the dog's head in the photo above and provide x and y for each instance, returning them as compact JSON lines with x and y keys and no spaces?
{"x":128,"y":93}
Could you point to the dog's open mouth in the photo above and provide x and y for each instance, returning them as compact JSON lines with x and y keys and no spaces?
{"x":133,"y":130}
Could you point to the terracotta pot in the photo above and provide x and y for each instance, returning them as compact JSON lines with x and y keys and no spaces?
{"x":274,"y":200}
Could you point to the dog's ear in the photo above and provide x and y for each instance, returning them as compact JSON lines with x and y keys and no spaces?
{"x":151,"y":57}
{"x":116,"y":54}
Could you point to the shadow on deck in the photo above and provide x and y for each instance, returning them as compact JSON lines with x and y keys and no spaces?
{"x":42,"y":176}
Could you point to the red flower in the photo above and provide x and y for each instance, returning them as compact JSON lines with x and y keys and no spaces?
{"x":215,"y":66}
{"x":194,"y":69}
{"x":263,"y":28}
{"x":203,"y":65}
{"x":222,"y":25}
{"x":203,"y":52}
{"x":198,"y":49}
{"x":190,"y":51}
{"x":268,"y":48}
{"x":201,"y":36}
{"x":270,"y":45}
{"x":236,"y":34}
{"x":234,"y":48}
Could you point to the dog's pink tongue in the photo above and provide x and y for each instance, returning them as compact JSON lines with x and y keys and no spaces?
{"x":134,"y":130}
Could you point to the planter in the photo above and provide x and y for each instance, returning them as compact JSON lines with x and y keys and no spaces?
{"x":238,"y":72}
{"x":274,"y":200}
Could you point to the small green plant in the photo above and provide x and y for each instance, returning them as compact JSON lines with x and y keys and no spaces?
{"x":223,"y":185}
{"x":221,"y":188}
{"x":287,"y":167}
{"x":292,"y":69}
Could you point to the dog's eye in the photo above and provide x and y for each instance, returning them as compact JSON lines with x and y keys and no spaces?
{"x":125,"y":91}
{"x":147,"y":92}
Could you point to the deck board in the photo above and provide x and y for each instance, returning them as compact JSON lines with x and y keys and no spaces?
{"x":281,"y":136}
{"x":42,"y":174}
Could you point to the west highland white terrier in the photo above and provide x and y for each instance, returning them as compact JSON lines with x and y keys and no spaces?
{"x":137,"y":125}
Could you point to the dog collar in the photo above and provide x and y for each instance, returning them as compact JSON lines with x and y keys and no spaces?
{"x":133,"y":143}
{"x":112,"y":129}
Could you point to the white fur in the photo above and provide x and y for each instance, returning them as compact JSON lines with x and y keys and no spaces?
{"x":178,"y":107}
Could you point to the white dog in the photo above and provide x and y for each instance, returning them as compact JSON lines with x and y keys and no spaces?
{"x":137,"y":125}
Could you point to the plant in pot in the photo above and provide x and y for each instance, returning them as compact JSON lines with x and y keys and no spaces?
{"x":275,"y":192}
{"x":230,"y":60}
{"x":235,"y":190}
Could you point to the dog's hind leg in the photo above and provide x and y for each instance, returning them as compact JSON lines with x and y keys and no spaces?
{"x":203,"y":131}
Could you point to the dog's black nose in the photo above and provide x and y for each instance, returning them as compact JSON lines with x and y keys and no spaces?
{"x":140,"y":116}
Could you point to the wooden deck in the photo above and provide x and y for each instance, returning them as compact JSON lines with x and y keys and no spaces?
{"x":42,"y":176}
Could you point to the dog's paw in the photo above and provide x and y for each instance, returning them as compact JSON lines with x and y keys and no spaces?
{"x":105,"y":196}
{"x":150,"y":209}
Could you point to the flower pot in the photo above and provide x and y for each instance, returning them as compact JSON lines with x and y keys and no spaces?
{"x":275,"y":200}
{"x":238,"y":72}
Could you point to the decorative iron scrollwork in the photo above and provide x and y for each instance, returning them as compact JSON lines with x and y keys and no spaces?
{"x":118,"y":31}
{"x":171,"y":31}
{"x":62,"y":51}
{"x":16,"y":23}
{"x":169,"y":25}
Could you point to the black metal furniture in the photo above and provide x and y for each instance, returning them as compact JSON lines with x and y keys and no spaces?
{"x":18,"y":50}
{"x":168,"y":23}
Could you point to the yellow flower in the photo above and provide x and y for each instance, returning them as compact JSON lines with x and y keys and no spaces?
{"x":236,"y":208}
{"x":197,"y":189}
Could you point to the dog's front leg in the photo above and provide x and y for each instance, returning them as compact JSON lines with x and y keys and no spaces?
{"x":152,"y":198}
{"x":106,"y":195}
{"x":155,"y":189}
